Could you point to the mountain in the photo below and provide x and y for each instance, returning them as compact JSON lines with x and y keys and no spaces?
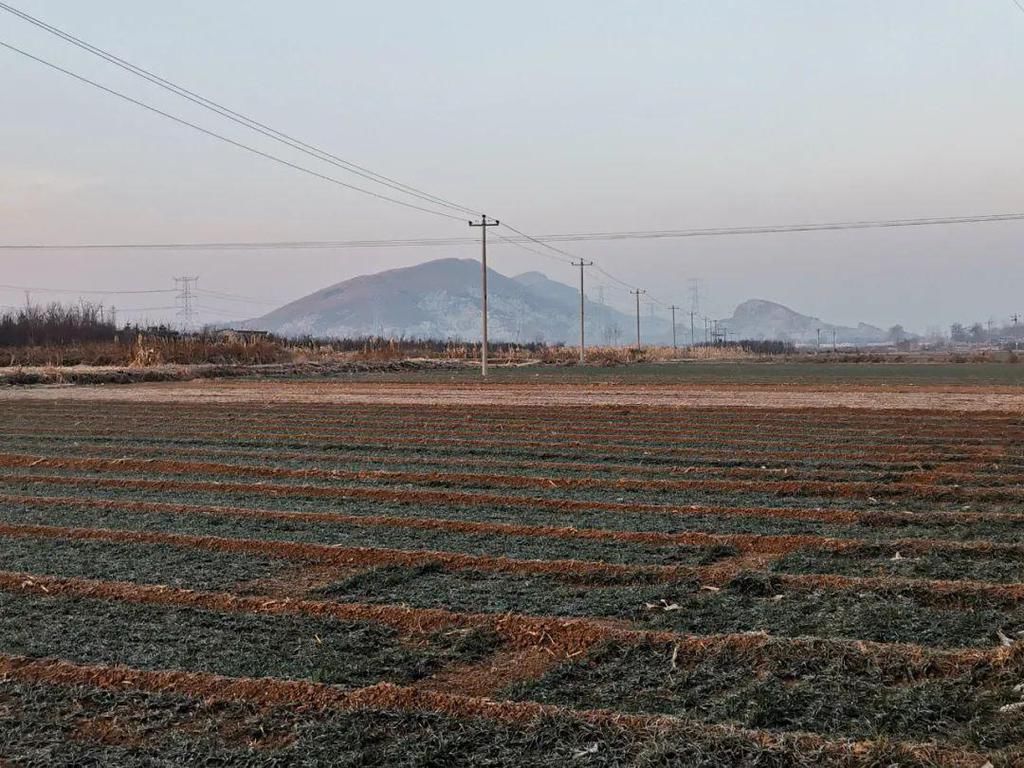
{"x":441,"y":299}
{"x":760,"y":319}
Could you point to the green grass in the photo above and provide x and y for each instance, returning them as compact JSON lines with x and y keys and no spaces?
{"x":293,"y":493}
{"x":519,"y":547}
{"x":136,"y":563}
{"x":240,"y":645}
{"x":724,"y":373}
{"x":817,"y":685}
{"x":956,"y":566}
{"x":749,"y":604}
{"x":883,"y":523}
{"x":828,"y":692}
{"x":44,"y":726}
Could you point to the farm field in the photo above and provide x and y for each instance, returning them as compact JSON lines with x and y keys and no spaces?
{"x":588,"y":571}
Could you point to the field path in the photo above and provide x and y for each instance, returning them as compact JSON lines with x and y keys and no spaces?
{"x":966,"y":398}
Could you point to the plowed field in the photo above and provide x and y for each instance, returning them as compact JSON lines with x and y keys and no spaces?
{"x":402,"y":573}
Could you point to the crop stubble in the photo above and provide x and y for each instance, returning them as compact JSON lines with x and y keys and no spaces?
{"x":534,"y":635}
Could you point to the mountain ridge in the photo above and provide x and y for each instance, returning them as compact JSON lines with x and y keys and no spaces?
{"x":445,"y":304}
{"x":441,"y":299}
{"x":758,"y":319}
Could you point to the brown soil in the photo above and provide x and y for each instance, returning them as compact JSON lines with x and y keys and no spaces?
{"x":959,"y":398}
{"x":384,"y":696}
{"x":555,"y":637}
{"x":564,"y":429}
{"x":745,"y":543}
{"x":908,"y":451}
{"x":352,"y":557}
{"x":945,"y":592}
{"x":837,"y":488}
{"x":107,"y":730}
{"x":457,"y":498}
{"x":298,"y":582}
{"x":965,"y":472}
{"x":494,"y":673}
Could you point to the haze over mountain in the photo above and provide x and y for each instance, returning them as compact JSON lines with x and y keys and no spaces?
{"x":441,"y":299}
{"x":578,"y":118}
{"x":761,"y":319}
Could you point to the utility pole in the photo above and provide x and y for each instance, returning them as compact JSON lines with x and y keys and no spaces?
{"x":817,"y":348}
{"x":638,"y":293}
{"x":484,"y":224}
{"x":675,"y":346}
{"x":833,"y":341}
{"x":583,"y":345}
{"x":184,"y":297}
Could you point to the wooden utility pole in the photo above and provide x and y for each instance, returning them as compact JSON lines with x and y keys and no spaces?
{"x":675,"y":347}
{"x":638,"y":293}
{"x":484,"y":224}
{"x":583,"y":344}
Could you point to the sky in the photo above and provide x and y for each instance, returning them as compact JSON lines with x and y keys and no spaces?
{"x":575,"y":116}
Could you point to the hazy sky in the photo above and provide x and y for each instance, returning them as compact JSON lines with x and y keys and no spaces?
{"x":578,"y":115}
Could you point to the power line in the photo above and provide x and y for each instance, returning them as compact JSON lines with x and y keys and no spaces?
{"x":235,"y":298}
{"x":78,"y":291}
{"x":226,"y":139}
{"x":272,"y":245}
{"x":324,"y":156}
{"x":540,"y":242}
{"x":145,"y":308}
{"x":544,"y":240}
{"x":260,"y":128}
{"x":784,"y":228}
{"x":237,"y":117}
{"x":231,"y":115}
{"x":215,"y":311}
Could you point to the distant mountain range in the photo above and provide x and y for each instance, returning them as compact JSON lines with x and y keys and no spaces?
{"x":760,"y":319}
{"x":441,"y":300}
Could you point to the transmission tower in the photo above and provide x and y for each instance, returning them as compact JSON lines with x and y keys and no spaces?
{"x":695,"y":288}
{"x":186,"y":286}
